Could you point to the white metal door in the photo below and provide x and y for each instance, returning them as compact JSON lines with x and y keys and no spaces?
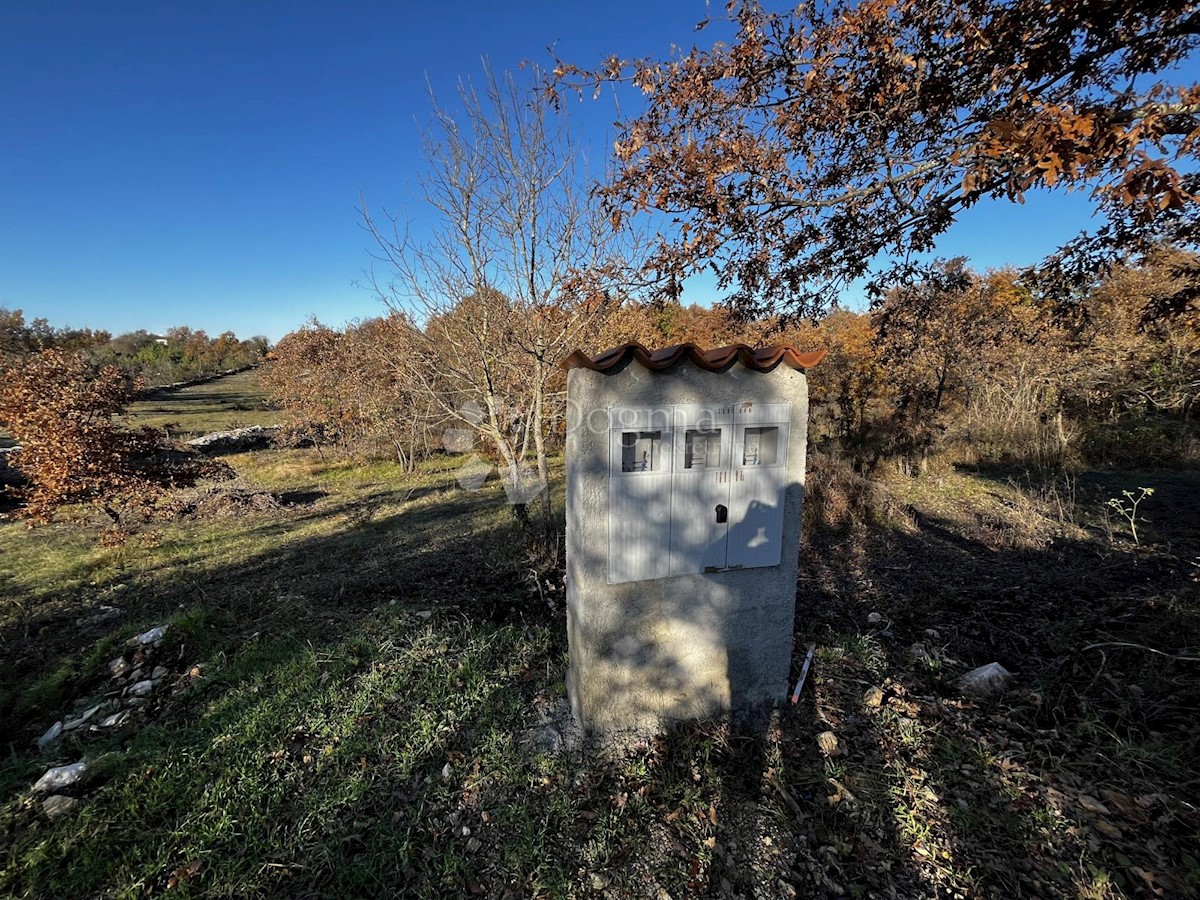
{"x":639,"y":495}
{"x":700,"y":488}
{"x":758,"y":485}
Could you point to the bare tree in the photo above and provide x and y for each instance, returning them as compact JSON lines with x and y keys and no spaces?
{"x":513,"y":272}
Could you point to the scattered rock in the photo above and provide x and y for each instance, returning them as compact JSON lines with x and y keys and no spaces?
{"x":116,"y":720}
{"x":986,"y":681}
{"x":153,"y":636}
{"x":141,"y":689}
{"x":60,"y":777}
{"x":119,"y":666}
{"x":933,"y":634}
{"x":447,"y":771}
{"x":58,"y":805}
{"x":828,"y":743}
{"x":159,"y":672}
{"x":873,"y":698}
{"x":599,"y":882}
{"x":77,"y":721}
{"x":874,"y":618}
{"x":53,"y":733}
{"x":424,"y":614}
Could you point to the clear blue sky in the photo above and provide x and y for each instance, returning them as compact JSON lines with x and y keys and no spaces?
{"x":170,"y":163}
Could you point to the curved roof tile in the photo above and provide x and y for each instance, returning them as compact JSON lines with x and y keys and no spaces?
{"x":761,"y":359}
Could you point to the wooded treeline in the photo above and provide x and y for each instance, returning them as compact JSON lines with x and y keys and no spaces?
{"x":181,"y":354}
{"x":964,"y":367}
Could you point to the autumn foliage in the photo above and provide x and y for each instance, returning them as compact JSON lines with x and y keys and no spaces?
{"x":355,"y":389}
{"x":963,"y":366}
{"x":812,"y":146}
{"x":73,"y":449}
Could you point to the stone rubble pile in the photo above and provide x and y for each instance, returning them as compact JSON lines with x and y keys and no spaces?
{"x":136,"y":676}
{"x":239,"y":440}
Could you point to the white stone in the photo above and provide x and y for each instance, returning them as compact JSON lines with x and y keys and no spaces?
{"x":874,"y":618}
{"x":83,"y":719}
{"x":254,"y":437}
{"x":58,"y":805}
{"x":53,"y":733}
{"x":159,"y":672}
{"x":60,"y":777}
{"x":119,"y":666}
{"x":116,"y":720}
{"x":141,"y":689}
{"x":152,"y":636}
{"x":986,"y":681}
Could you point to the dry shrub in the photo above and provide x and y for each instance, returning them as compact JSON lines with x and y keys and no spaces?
{"x":68,"y":418}
{"x":222,"y":501}
{"x":113,"y":536}
{"x":836,"y":497}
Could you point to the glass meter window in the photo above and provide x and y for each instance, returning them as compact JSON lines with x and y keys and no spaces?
{"x":761,"y":447}
{"x":702,"y":449}
{"x":640,"y":451}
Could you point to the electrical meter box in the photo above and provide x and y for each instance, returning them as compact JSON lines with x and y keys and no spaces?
{"x":685,"y":484}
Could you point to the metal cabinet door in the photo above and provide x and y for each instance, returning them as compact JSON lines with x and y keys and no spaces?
{"x":639,"y":496}
{"x":758,"y":485}
{"x":700,"y":488}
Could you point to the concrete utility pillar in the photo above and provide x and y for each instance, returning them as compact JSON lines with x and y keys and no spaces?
{"x":685,"y":482}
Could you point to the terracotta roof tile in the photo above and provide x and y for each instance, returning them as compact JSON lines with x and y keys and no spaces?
{"x":762,"y":359}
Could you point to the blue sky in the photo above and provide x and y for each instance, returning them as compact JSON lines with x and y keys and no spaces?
{"x":170,"y":163}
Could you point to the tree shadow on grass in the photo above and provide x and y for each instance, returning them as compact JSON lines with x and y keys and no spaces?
{"x":337,"y":729}
{"x":340,"y":743}
{"x":1006,"y":797}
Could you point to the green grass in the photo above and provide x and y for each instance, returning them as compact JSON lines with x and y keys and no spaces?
{"x":235,"y":401}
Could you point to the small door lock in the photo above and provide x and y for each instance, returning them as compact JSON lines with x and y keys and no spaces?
{"x":722,"y":514}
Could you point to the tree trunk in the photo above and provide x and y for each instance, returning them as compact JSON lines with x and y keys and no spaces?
{"x":539,"y":444}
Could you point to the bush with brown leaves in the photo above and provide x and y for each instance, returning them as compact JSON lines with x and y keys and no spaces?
{"x":66,"y":416}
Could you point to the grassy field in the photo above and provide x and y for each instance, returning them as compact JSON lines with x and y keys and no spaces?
{"x":235,"y":401}
{"x":353,"y":667}
{"x":226,"y":403}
